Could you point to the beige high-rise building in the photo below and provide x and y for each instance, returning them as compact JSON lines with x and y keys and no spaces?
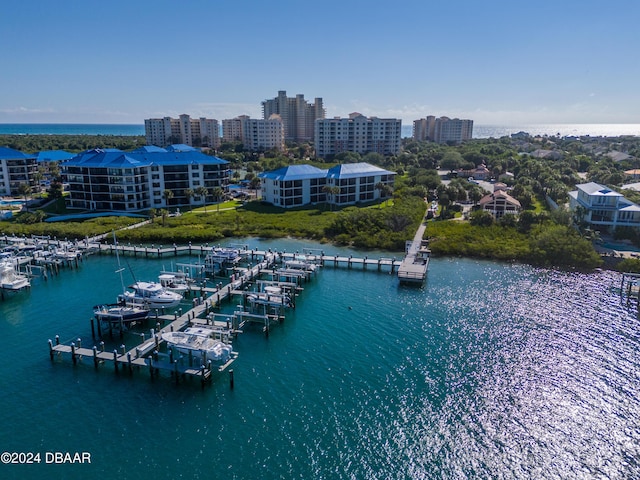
{"x":201,"y":132}
{"x":442,"y":130}
{"x":298,"y":116}
{"x":258,"y":134}
{"x":232,"y":128}
{"x":358,"y":134}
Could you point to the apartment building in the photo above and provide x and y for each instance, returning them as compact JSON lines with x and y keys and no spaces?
{"x":293,"y":186}
{"x":255,"y":134}
{"x":442,"y":130}
{"x":232,"y":128}
{"x":357,"y":134}
{"x":298,"y":116}
{"x":114,"y":180}
{"x":298,"y":185}
{"x":201,"y":132}
{"x":16,"y":168}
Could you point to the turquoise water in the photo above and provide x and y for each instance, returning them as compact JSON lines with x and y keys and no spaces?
{"x":479,"y":131}
{"x":488,"y":371}
{"x":620,"y":246}
{"x":70,"y":129}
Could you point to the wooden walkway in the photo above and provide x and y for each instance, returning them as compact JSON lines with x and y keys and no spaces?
{"x":413,"y":269}
{"x":147,"y":352}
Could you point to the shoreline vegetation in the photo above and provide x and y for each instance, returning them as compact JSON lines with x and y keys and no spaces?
{"x":538,"y":236}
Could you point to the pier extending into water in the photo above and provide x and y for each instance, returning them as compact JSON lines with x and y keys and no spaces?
{"x":414,"y":266}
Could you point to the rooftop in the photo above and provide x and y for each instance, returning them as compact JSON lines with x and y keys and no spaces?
{"x":143,"y":156}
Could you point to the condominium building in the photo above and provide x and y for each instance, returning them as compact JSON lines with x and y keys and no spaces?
{"x":298,"y":185}
{"x":201,"y":132}
{"x":424,"y":128}
{"x":298,"y":115}
{"x":255,"y":134}
{"x":294,"y":186}
{"x":232,"y":128}
{"x":16,"y":168}
{"x":357,"y":134}
{"x":260,"y":134}
{"x":442,"y":130}
{"x":115,"y":180}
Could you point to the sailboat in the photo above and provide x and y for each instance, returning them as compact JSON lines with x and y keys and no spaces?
{"x":121,"y":311}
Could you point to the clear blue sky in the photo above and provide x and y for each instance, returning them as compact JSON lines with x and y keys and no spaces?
{"x":496,"y":62}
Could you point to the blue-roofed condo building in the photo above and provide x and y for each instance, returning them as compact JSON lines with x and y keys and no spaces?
{"x":298,"y":185}
{"x":294,"y":186}
{"x":16,"y":168}
{"x":114,"y":180}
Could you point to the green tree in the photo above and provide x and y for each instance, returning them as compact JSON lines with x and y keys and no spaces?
{"x":24,"y":189}
{"x":218,"y":193}
{"x":203,"y":192}
{"x":55,"y":193}
{"x":189,"y":193}
{"x":163,"y":214}
{"x":331,"y":191}
{"x":168,"y":195}
{"x":481,"y":218}
{"x":255,"y":184}
{"x":452,"y":160}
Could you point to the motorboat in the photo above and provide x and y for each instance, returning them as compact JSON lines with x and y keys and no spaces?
{"x":151,"y":295}
{"x":219,"y":257}
{"x":115,"y":313}
{"x":199,"y":341}
{"x":271,"y":296}
{"x":10,"y":278}
{"x":174,"y":282}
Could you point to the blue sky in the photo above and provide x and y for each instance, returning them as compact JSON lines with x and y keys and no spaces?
{"x":496,"y":62}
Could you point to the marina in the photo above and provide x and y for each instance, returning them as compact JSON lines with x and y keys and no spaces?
{"x":399,"y":375}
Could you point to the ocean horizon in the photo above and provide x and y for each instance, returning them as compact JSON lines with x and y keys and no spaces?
{"x":479,"y":131}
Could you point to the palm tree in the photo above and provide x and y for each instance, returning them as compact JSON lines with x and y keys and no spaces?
{"x":189,"y":193}
{"x":152,"y":214}
{"x":203,"y":191}
{"x":163,"y":213}
{"x":168,"y":195}
{"x":383,"y":188}
{"x":255,"y":185}
{"x":331,"y":190}
{"x":218,"y":193}
{"x":24,"y":189}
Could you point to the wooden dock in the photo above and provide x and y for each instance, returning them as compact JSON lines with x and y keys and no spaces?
{"x":414,"y":266}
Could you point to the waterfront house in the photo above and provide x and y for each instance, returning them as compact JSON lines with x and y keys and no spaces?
{"x":114,"y":180}
{"x":604,"y":207}
{"x":500,"y":203}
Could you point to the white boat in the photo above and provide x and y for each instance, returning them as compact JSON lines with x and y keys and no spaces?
{"x":200,"y":341}
{"x":151,"y":295}
{"x":10,"y":278}
{"x":271,"y":296}
{"x":174,"y":282}
{"x":219,"y":257}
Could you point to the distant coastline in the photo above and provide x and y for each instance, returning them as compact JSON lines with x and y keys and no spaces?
{"x":479,"y":131}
